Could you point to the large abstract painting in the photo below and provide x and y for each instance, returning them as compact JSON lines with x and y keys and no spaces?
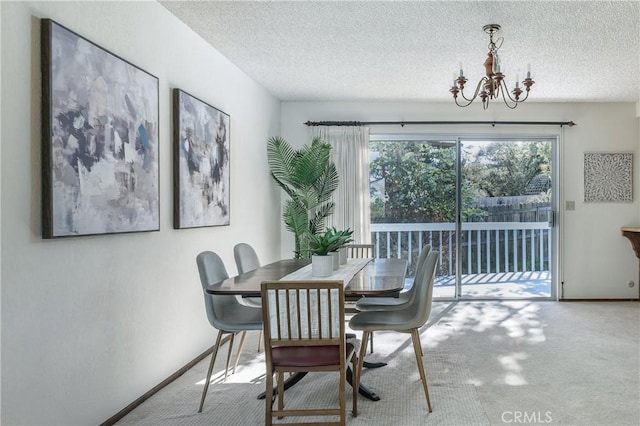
{"x":201,"y":163}
{"x":100,"y":139}
{"x":608,"y":177}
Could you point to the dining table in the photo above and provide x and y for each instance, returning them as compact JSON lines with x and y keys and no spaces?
{"x":379,"y":277}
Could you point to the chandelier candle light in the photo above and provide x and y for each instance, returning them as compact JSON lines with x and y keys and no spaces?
{"x":492,"y":86}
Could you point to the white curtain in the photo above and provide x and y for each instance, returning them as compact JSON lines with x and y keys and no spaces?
{"x":351,"y":157}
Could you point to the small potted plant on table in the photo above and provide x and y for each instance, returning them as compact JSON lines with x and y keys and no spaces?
{"x":345,"y":238}
{"x":327,"y":245}
{"x":320,"y":247}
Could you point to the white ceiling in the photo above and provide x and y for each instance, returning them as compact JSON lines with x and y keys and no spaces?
{"x":397,"y":50}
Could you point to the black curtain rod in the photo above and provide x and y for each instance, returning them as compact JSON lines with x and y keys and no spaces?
{"x":403,"y":123}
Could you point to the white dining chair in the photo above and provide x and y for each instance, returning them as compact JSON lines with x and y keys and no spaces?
{"x":406,"y":320}
{"x":246,"y":261}
{"x":223,"y":312}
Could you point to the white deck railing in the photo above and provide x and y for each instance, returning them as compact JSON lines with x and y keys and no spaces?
{"x":486,"y":247}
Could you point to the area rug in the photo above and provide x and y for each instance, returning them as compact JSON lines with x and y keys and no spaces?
{"x":233,"y":402}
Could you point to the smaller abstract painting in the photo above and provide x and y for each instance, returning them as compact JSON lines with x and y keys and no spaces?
{"x":201,"y":163}
{"x":608,"y":177}
{"x":99,"y":139}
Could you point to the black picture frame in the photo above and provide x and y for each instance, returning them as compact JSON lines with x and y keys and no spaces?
{"x":202,"y":139}
{"x":100,"y":139}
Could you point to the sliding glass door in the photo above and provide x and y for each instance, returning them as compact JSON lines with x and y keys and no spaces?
{"x":486,"y":205}
{"x":506,"y":204}
{"x":413,"y":184}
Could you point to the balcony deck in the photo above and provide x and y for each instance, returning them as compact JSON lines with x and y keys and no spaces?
{"x":508,"y":285}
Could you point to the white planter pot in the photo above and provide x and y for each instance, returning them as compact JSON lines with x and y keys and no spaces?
{"x":335,"y":256}
{"x":343,"y":255}
{"x":321,"y":266}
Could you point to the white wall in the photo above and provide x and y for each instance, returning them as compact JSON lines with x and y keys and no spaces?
{"x":597,"y":260}
{"x":91,"y":323}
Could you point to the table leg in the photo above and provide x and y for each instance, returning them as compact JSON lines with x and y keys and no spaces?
{"x":367,"y":364}
{"x":362,"y":389}
{"x":290,"y":381}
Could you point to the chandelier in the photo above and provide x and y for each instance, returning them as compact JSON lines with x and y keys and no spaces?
{"x":492,"y":86}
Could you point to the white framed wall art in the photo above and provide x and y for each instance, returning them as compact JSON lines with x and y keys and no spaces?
{"x":608,"y":177}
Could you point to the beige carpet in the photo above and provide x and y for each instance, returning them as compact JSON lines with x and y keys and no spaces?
{"x":234,"y":402}
{"x":573,"y":364}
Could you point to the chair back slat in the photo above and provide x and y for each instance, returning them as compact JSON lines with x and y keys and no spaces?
{"x":319,"y":310}
{"x":288,"y":313}
{"x":330,"y":328}
{"x":308,"y":317}
{"x":279,"y":326}
{"x":298,"y":315}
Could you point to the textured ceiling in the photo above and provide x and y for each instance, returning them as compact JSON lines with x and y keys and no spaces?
{"x":397,"y":50}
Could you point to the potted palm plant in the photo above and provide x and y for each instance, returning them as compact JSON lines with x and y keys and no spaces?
{"x":308,"y":177}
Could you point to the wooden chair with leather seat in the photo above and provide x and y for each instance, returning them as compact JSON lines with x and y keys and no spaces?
{"x":359,"y":251}
{"x":304,"y":331}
